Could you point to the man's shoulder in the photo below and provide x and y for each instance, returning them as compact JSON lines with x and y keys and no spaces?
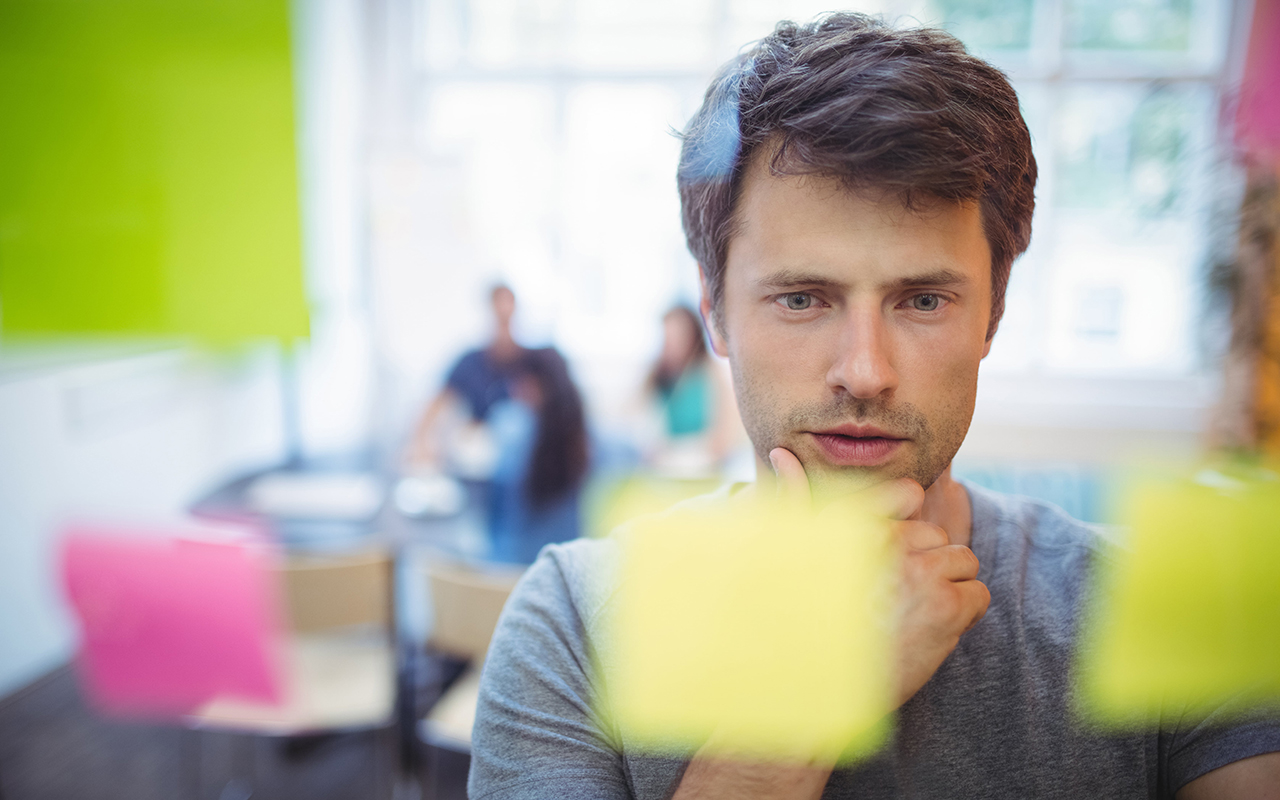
{"x":582,"y":574}
{"x":574,"y":577}
{"x":470,"y":359}
{"x":1034,"y":523}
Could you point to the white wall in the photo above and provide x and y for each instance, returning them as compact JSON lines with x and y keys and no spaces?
{"x":139,"y":431}
{"x":132,"y":436}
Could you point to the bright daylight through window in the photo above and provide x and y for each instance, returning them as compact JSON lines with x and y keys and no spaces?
{"x":549,"y":122}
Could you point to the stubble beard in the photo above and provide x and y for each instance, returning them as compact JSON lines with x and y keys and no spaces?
{"x":932,"y":444}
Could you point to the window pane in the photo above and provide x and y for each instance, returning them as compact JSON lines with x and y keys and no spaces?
{"x":1121,"y":296}
{"x":654,"y":34}
{"x":1127,"y":232}
{"x":504,"y":33}
{"x":986,"y":24}
{"x":492,"y":34}
{"x":501,"y":142}
{"x":750,"y":20}
{"x":1127,"y":147}
{"x":622,"y":247}
{"x":1128,"y":24}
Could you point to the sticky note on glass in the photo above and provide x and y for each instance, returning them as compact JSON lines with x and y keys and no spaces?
{"x":1186,"y":616}
{"x":148,"y":170}
{"x":169,"y":623}
{"x":754,"y":629}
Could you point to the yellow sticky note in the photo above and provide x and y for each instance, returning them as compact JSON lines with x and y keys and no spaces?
{"x":612,"y":505}
{"x":1187,"y":615}
{"x":754,"y":627}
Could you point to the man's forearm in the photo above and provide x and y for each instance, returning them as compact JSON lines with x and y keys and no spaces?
{"x":709,"y":778}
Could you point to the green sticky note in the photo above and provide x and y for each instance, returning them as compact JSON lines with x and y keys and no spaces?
{"x":752,"y":630}
{"x":1186,"y":615}
{"x":148,"y":169}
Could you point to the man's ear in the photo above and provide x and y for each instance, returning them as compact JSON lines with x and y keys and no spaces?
{"x":986,"y":347}
{"x":709,"y":320}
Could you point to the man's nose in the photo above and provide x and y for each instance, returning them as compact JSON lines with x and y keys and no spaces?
{"x":863,"y":364}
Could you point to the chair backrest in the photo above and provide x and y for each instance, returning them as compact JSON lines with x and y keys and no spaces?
{"x":331,"y":592}
{"x":467,"y":602}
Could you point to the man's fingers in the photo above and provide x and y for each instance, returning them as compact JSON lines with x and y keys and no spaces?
{"x":917,"y":535}
{"x":792,"y":483}
{"x":977,"y":596}
{"x":954,"y":562}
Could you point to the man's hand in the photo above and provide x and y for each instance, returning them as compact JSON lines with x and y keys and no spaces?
{"x":939,"y":598}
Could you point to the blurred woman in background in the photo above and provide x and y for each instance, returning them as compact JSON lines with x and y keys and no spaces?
{"x":698,"y":418}
{"x":541,"y":438}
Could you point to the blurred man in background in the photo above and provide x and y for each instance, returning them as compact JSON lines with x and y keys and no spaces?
{"x":479,"y":379}
{"x":855,"y":196}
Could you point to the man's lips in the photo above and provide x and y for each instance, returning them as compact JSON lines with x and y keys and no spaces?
{"x":857,"y":445}
{"x":857,"y":432}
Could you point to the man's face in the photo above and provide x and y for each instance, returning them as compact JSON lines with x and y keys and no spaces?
{"x":854,"y":327}
{"x":504,"y":305}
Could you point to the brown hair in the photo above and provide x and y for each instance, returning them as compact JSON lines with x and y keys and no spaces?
{"x":848,"y":96}
{"x":558,"y":462}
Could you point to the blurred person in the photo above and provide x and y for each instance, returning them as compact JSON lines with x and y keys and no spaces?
{"x":541,"y":439}
{"x":855,"y":196}
{"x":479,"y":379}
{"x":698,"y":422}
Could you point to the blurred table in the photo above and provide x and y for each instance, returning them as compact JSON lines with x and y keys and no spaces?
{"x":233,"y":501}
{"x":409,"y":541}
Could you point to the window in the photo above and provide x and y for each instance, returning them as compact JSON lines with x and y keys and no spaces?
{"x":547,"y":125}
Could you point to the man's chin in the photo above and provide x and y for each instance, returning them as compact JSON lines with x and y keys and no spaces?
{"x":829,"y":482}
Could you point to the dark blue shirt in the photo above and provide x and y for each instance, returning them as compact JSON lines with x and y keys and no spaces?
{"x":481,"y":381}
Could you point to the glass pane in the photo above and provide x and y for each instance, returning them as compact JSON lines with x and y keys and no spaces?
{"x":621,"y":243}
{"x":1126,"y":147}
{"x":986,"y":24}
{"x":750,"y":20}
{"x":501,"y":142}
{"x":505,"y":33}
{"x":1018,"y":343}
{"x":652,"y":35}
{"x":1128,"y":24}
{"x":1121,"y":297}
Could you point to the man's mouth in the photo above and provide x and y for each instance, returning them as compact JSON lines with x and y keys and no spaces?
{"x":857,"y":445}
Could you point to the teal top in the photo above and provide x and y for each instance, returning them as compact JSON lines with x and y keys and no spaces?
{"x":687,"y":404}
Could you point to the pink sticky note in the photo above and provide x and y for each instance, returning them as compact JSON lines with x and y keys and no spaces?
{"x":168,"y":623}
{"x":1258,"y":115}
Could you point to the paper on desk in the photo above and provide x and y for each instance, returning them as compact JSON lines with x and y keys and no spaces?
{"x":168,"y":624}
{"x":355,"y":496}
{"x":1186,"y":616}
{"x":759,"y":629}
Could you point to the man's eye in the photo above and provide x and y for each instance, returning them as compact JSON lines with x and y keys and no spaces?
{"x":798,"y":301}
{"x":926,"y":302}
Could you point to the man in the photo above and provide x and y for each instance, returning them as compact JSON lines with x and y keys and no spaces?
{"x":479,"y":379}
{"x":855,"y":196}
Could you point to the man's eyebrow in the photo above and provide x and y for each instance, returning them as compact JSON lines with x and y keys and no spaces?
{"x":940,"y":278}
{"x":790,"y":279}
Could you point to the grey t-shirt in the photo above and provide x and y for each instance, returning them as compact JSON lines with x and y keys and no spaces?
{"x":993,"y":721}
